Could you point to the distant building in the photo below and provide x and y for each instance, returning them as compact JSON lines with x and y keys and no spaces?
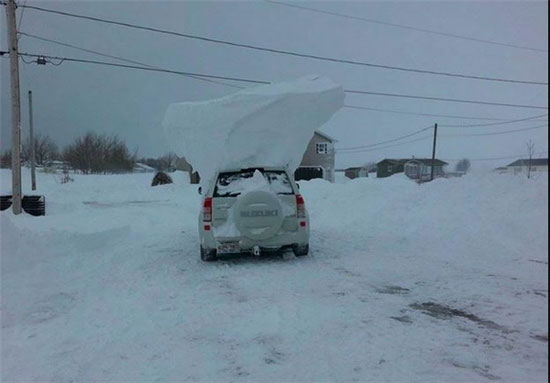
{"x":318,"y":159}
{"x":417,"y":168}
{"x":183,"y":165}
{"x":420,"y":169}
{"x":357,"y":172}
{"x":522,"y":166}
{"x":142,"y":168}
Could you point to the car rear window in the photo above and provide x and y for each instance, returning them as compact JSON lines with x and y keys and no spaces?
{"x":232,"y":184}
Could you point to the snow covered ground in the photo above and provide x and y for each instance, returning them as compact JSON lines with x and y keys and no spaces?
{"x":447,"y":281}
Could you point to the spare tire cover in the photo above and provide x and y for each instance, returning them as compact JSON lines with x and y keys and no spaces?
{"x":258,"y":215}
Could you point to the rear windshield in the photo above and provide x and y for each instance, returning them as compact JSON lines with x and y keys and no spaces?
{"x":232,"y":184}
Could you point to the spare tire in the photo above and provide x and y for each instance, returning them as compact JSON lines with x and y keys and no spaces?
{"x":258,"y":215}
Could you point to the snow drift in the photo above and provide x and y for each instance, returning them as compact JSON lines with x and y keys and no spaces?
{"x":269,"y":125}
{"x":108,"y":286}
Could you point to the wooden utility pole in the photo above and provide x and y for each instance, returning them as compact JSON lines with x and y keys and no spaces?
{"x":15,"y":109}
{"x":31,"y":137}
{"x":433,"y":153}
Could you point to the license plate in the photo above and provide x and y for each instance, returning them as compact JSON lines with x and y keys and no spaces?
{"x":229,"y":247}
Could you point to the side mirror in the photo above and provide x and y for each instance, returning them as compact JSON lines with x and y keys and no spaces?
{"x":200,"y":189}
{"x":298,"y":185}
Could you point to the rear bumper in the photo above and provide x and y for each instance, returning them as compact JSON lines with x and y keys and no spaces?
{"x":282,"y":240}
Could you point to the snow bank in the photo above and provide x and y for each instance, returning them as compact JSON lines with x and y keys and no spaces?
{"x":269,"y":125}
{"x":108,"y":286}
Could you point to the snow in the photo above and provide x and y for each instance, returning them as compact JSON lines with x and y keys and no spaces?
{"x":269,"y":125}
{"x":444,"y":281}
{"x":239,"y":183}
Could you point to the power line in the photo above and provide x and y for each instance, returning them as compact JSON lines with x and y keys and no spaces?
{"x":388,"y":141}
{"x":493,"y":123}
{"x":358,"y":149}
{"x":285,"y":52}
{"x":495,"y":133}
{"x":69,"y":59}
{"x":21,"y":15}
{"x":408,"y":27}
{"x":488,"y":159}
{"x":268,"y":82}
{"x":443,"y":99}
{"x":387,"y":146}
{"x":424,"y":114}
{"x":120,"y":58}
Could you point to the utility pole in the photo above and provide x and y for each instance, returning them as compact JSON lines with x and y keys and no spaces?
{"x":433,"y":153}
{"x":15,"y":109}
{"x":31,"y":136}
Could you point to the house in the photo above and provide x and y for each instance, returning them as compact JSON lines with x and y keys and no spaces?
{"x":420,"y":169}
{"x":357,"y":172}
{"x":182,"y":164}
{"x":416,"y":169}
{"x":317,"y":162}
{"x":318,"y":159}
{"x":522,"y":166}
{"x":142,"y":168}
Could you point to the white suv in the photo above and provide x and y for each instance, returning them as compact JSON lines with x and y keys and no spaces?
{"x":253,"y":210}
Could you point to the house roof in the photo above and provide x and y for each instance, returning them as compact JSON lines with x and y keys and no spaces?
{"x":325,"y":136}
{"x":534,"y":162}
{"x":401,"y":161}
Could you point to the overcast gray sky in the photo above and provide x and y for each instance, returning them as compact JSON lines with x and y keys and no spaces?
{"x":73,"y":98}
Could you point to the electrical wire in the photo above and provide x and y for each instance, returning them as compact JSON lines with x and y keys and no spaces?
{"x":492,"y":123}
{"x":388,"y":141}
{"x":284,"y":52}
{"x":488,"y":159}
{"x":407,"y":27}
{"x":352,"y":91}
{"x":423,"y":114}
{"x":252,"y":81}
{"x":21,"y":17}
{"x":385,"y":147}
{"x":70,"y":59}
{"x":494,"y":133}
{"x":120,"y":58}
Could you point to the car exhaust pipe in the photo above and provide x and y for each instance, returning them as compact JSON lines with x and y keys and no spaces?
{"x":256,"y":251}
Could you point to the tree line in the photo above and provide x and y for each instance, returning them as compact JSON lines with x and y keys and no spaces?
{"x":91,"y":153}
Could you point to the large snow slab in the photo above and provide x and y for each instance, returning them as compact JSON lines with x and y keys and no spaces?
{"x":269,"y":125}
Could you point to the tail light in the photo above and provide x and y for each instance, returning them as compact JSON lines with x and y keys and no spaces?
{"x":207,"y":210}
{"x":300,"y":206}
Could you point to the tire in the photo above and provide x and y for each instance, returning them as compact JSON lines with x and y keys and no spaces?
{"x":301,"y":251}
{"x":208,"y":255}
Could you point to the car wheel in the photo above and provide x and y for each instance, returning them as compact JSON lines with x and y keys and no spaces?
{"x":208,"y":255}
{"x":300,"y":251}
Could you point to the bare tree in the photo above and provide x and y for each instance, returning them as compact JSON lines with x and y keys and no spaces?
{"x":530,"y":153}
{"x":463,"y":165}
{"x":95,"y":153}
{"x":164,"y":163}
{"x":5,"y":160}
{"x":45,"y":149}
{"x":370,"y":166}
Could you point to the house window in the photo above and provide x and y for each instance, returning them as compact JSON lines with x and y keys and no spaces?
{"x":321,"y":148}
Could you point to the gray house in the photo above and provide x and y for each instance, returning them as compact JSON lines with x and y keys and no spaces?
{"x":420,"y":169}
{"x":522,"y":166}
{"x":318,"y":160}
{"x":356,"y":172}
{"x":417,"y":168}
{"x":183,"y":165}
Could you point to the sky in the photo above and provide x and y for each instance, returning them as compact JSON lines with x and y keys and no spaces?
{"x":74,"y":98}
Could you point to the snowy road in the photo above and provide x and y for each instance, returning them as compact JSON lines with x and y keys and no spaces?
{"x":441,"y":282}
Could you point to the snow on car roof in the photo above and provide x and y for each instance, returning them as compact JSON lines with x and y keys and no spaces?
{"x":270,"y":124}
